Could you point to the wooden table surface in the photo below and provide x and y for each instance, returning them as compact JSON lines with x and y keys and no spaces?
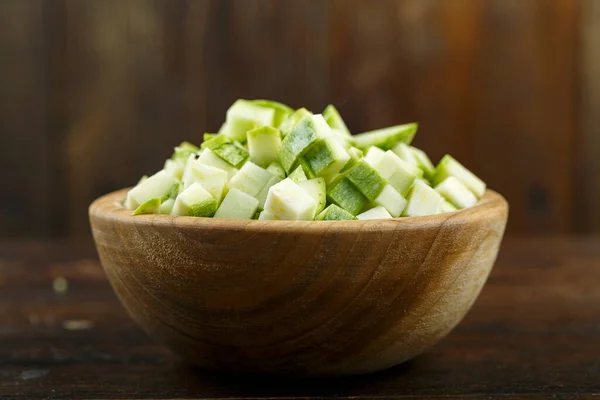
{"x":533,"y":333}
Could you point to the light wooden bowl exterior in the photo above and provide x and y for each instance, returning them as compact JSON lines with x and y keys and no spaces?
{"x":298,"y":298}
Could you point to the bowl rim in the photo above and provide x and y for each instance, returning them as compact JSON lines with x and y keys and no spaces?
{"x":110,"y":207}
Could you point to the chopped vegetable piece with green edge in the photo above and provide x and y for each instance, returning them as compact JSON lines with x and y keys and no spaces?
{"x":157,"y":185}
{"x":298,"y":175}
{"x":287,"y":201}
{"x":386,"y":138}
{"x":276,"y":169}
{"x":334,"y":119}
{"x":207,"y":136}
{"x":366,"y":179}
{"x":267,"y":216}
{"x":400,"y":174}
{"x":456,"y":193}
{"x":152,"y":206}
{"x":244,"y":115}
{"x":391,"y":200}
{"x":215,"y":141}
{"x":355,"y":155}
{"x":210,"y":178}
{"x":448,"y":166}
{"x":175,"y":168}
{"x":374,"y":155}
{"x":317,"y":189}
{"x":263,"y":145}
{"x":345,"y":141}
{"x":282,"y":111}
{"x":183,"y":151}
{"x":304,"y":164}
{"x":424,"y":162}
{"x":250,"y":179}
{"x":334,"y":213}
{"x":374,"y":213}
{"x":195,"y":201}
{"x":173,"y":192}
{"x":343,"y":193}
{"x":299,"y":140}
{"x":403,"y":151}
{"x":446,"y":207}
{"x":234,"y":155}
{"x":211,"y":159}
{"x":326,"y":158}
{"x":237,"y":205}
{"x":262,"y":196}
{"x":166,"y":207}
{"x":422,"y":200}
{"x":142,"y":179}
{"x":290,"y":123}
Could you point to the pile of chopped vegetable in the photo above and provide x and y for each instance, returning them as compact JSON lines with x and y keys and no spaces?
{"x":271,"y":162}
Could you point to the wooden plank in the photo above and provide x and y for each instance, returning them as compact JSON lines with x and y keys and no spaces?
{"x":587,"y":172}
{"x":26,"y":183}
{"x":547,"y":346}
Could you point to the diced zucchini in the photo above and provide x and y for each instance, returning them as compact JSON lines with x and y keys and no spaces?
{"x":404,"y":151}
{"x":340,"y":137}
{"x":422,"y":200}
{"x":355,"y":155}
{"x":195,"y":201}
{"x":175,"y":168}
{"x":334,"y":213}
{"x":276,"y":169}
{"x":183,"y":151}
{"x":374,"y":213}
{"x":263,"y":145}
{"x":374,"y":155}
{"x":142,"y":179}
{"x":366,"y":179}
{"x":166,"y":207}
{"x":262,"y":196}
{"x":391,"y":200}
{"x":298,"y":175}
{"x":317,"y":189}
{"x":244,"y":115}
{"x":424,"y":162}
{"x":234,"y":154}
{"x":250,"y":179}
{"x":210,"y":178}
{"x":149,"y":207}
{"x":343,"y":193}
{"x":386,"y":138}
{"x":215,"y":141}
{"x":400,"y":174}
{"x":207,"y":136}
{"x":237,"y":205}
{"x":290,"y":122}
{"x":282,"y":111}
{"x":287,"y":201}
{"x":326,"y":158}
{"x":265,"y":215}
{"x":299,"y":140}
{"x":306,"y":167}
{"x":211,"y":159}
{"x":456,"y":193}
{"x":448,"y":166}
{"x":158,"y":185}
{"x":447,"y":207}
{"x":334,"y":119}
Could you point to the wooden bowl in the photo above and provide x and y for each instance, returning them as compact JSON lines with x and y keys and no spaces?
{"x":298,"y":297}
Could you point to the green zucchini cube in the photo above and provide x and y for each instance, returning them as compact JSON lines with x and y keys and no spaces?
{"x":210,"y":178}
{"x":334,"y":120}
{"x":166,"y":207}
{"x":299,"y":140}
{"x":447,"y":207}
{"x":237,"y":205}
{"x":391,"y":200}
{"x":195,"y":201}
{"x":282,"y":111}
{"x":343,"y":193}
{"x":234,"y":154}
{"x":448,"y":166}
{"x":386,"y":138}
{"x":378,"y":212}
{"x":325,"y":158}
{"x":215,"y":141}
{"x":334,"y":213}
{"x":250,"y":179}
{"x":151,"y":206}
{"x":158,"y":185}
{"x":317,"y":189}
{"x":298,"y":175}
{"x":287,"y":201}
{"x":244,"y":115}
{"x":456,"y":193}
{"x":422,"y":200}
{"x":366,"y":179}
{"x":263,"y":145}
{"x":374,"y":155}
{"x":400,"y":174}
{"x":208,"y":157}
{"x":290,"y":122}
{"x":424,"y":162}
{"x":276,"y":169}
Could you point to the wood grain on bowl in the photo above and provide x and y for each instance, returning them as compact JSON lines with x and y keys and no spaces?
{"x":298,"y":297}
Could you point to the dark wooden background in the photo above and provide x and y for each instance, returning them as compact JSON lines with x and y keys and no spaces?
{"x":95,"y":93}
